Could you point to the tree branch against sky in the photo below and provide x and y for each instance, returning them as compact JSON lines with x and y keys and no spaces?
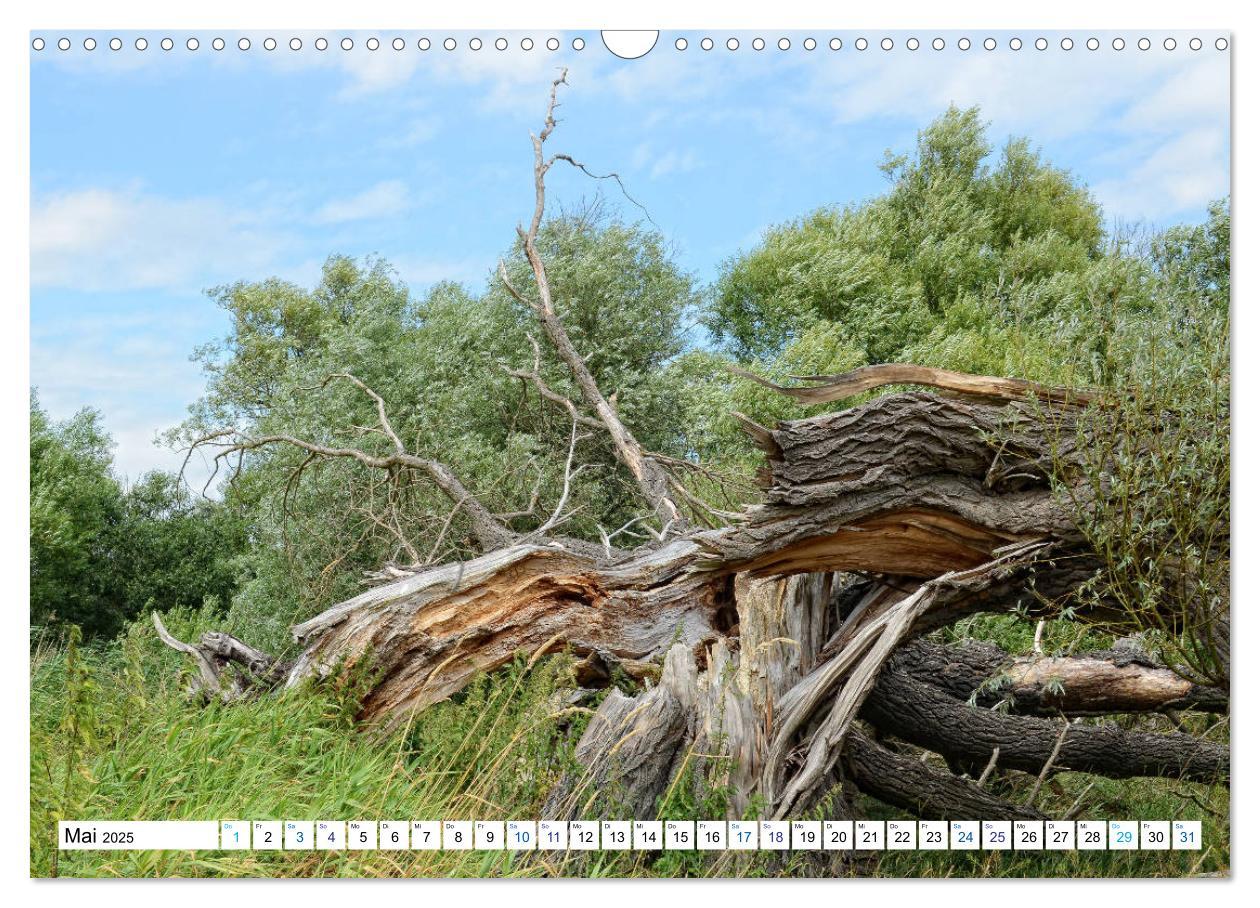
{"x":788,"y":434}
{"x":1148,"y":134}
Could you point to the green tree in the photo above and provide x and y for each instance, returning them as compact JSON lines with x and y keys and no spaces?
{"x":1194,"y":259}
{"x":442,"y":364}
{"x":101,"y":554}
{"x":170,"y":548}
{"x":75,"y":501}
{"x":953,"y":231}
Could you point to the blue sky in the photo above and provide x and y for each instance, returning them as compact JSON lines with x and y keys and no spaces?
{"x":157,"y":174}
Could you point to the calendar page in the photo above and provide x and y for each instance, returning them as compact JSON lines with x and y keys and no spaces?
{"x":553,"y":452}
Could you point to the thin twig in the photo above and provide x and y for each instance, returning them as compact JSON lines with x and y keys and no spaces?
{"x":1045,"y":770}
{"x":988,"y":770}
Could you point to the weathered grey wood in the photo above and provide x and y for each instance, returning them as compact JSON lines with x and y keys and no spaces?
{"x":879,"y":524}
{"x":827,"y":388}
{"x":853,"y":671}
{"x":712,"y":721}
{"x":214,"y":653}
{"x":1096,"y":683}
{"x":654,"y":482}
{"x":630,"y":750}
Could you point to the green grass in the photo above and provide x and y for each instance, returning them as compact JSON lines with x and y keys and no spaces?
{"x":114,"y":737}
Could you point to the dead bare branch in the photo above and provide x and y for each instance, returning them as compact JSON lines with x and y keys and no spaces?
{"x":652,"y":480}
{"x":1045,"y":770}
{"x":534,"y":376}
{"x":490,"y":532}
{"x":827,"y":388}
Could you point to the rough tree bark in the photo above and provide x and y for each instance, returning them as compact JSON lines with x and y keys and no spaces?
{"x":880,"y":523}
{"x":1097,"y":683}
{"x":780,"y":655}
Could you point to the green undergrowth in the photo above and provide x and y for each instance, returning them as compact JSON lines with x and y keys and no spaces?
{"x":114,"y":736}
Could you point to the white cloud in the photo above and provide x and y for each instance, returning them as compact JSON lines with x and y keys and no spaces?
{"x":104,"y":239}
{"x":91,"y":358}
{"x":1046,"y":94}
{"x":137,"y":452}
{"x":421,"y":273}
{"x":658,"y":164}
{"x":1180,"y":174}
{"x":507,"y":81}
{"x":385,"y":199}
{"x":665,"y":79}
{"x":420,"y":130}
{"x":510,"y":81}
{"x":135,"y":369}
{"x":1155,"y":125}
{"x":1053,"y":93}
{"x":1193,"y":94}
{"x":674,"y":162}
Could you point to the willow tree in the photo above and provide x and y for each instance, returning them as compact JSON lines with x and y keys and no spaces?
{"x":781,"y":648}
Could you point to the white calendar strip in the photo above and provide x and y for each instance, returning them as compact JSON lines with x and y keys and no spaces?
{"x":636,"y":835}
{"x":131,"y":835}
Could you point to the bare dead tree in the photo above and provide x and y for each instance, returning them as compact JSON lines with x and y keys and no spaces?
{"x":654,"y":482}
{"x":783,"y":650}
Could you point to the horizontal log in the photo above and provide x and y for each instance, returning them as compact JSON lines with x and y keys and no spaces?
{"x":428,"y":635}
{"x":1094,"y":683}
{"x":927,"y":716}
{"x":925,"y":791}
{"x":827,"y":388}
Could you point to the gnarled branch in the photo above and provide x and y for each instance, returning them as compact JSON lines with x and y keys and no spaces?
{"x":653,"y":481}
{"x":828,"y":388}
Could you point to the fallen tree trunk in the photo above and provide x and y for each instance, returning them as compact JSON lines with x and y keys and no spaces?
{"x":1098,"y":683}
{"x":923,"y":714}
{"x":923,"y":790}
{"x":906,"y":485}
{"x":879,"y":524}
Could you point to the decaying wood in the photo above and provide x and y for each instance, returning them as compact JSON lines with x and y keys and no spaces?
{"x":719,"y":709}
{"x":1099,"y":683}
{"x":827,"y":388}
{"x":632,"y":748}
{"x":788,"y":641}
{"x":215,"y":656}
{"x":429,"y":634}
{"x":852,"y":673}
{"x":472,"y":616}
